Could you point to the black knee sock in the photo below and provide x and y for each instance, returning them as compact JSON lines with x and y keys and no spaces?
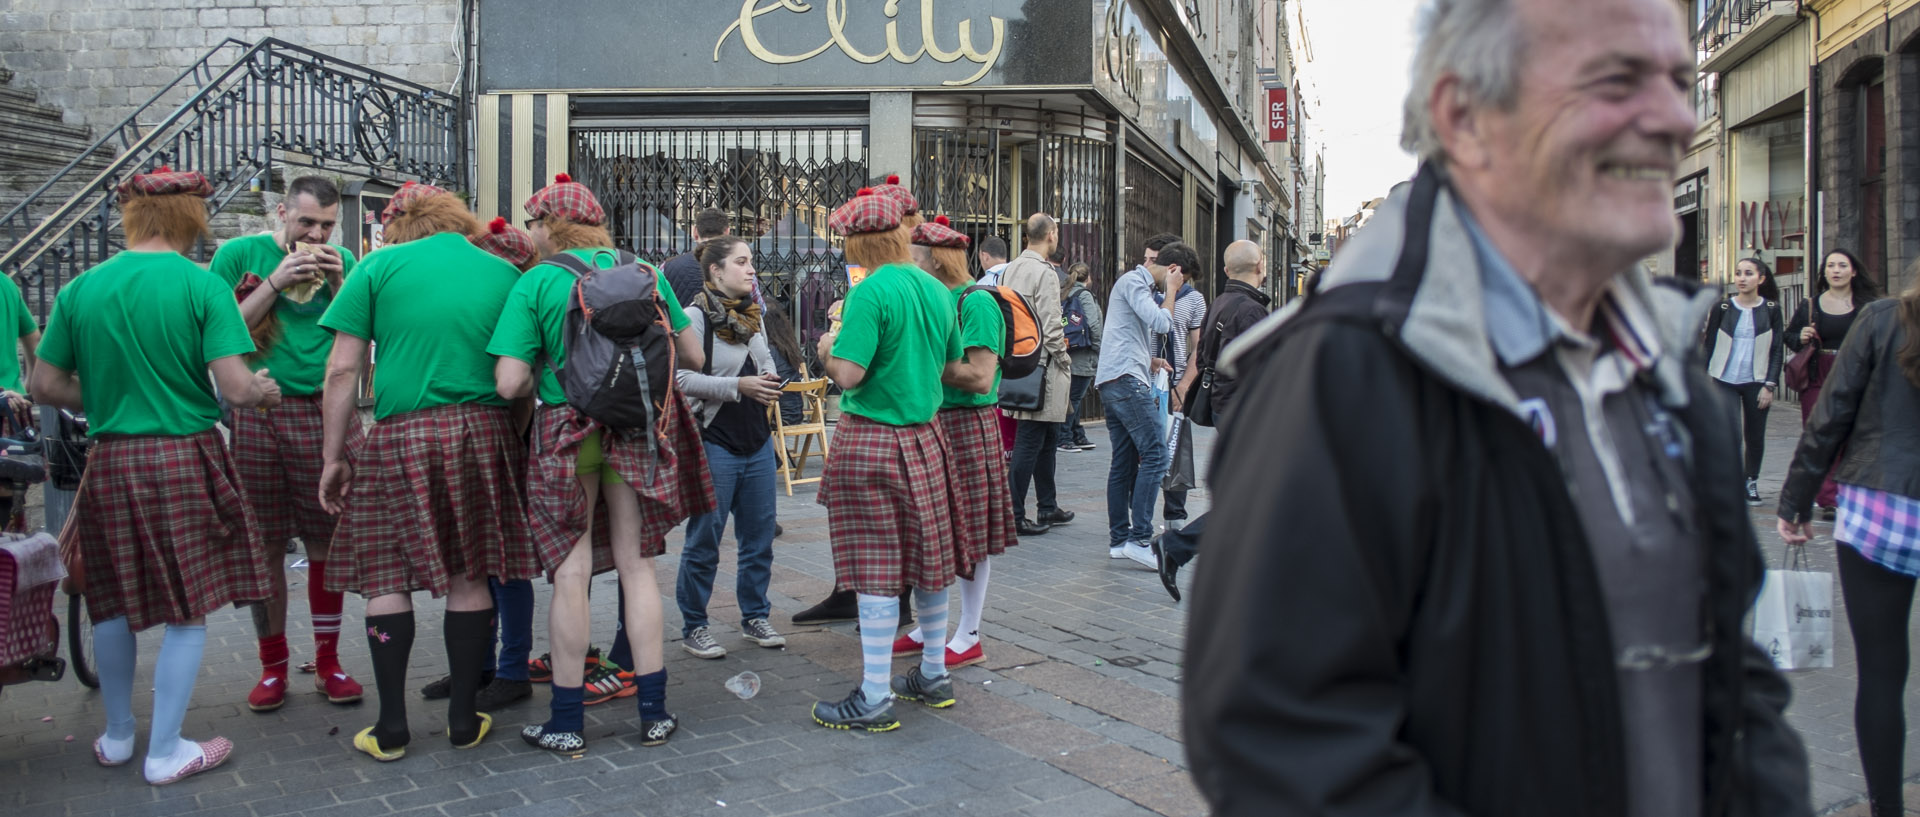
{"x":469,"y":635}
{"x":390,"y":640}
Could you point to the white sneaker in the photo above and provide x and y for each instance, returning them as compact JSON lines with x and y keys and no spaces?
{"x":1142,"y":554}
{"x":1117,"y":552}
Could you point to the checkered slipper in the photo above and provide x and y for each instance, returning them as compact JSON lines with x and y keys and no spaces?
{"x":100,"y":752}
{"x":212,"y":753}
{"x":566,"y":743}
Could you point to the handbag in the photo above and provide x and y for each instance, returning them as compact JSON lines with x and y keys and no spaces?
{"x":1793,"y":618}
{"x":1199,"y":403}
{"x":1798,"y":374}
{"x":1180,"y":476}
{"x":1027,"y":393}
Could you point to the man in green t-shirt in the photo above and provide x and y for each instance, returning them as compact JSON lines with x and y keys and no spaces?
{"x":885,"y":486}
{"x":13,"y":389}
{"x":159,"y":524}
{"x":431,"y":501}
{"x":589,"y":478}
{"x":969,"y":416}
{"x":285,"y":280}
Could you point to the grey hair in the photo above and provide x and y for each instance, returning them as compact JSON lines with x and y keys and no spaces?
{"x":1478,"y":41}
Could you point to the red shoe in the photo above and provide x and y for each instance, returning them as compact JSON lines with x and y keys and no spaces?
{"x":268,"y":695}
{"x":973,"y":655}
{"x":604,"y":683}
{"x":338,"y":686}
{"x":905,"y":646}
{"x":540,"y":670}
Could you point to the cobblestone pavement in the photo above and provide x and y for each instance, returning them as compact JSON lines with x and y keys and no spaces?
{"x":1075,"y":712}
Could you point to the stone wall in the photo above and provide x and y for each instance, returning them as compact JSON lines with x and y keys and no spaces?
{"x":100,"y":59}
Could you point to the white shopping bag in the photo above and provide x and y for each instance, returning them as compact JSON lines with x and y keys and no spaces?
{"x":1793,"y":619}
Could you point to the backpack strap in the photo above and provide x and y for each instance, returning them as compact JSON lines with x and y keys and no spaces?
{"x":571,"y":263}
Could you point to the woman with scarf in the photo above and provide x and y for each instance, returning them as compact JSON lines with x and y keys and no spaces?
{"x":730,"y":396}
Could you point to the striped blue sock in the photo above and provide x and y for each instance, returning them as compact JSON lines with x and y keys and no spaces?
{"x":932,"y":608}
{"x":879,"y":618}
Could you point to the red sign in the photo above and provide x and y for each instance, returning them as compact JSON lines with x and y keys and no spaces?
{"x":1277,"y":114}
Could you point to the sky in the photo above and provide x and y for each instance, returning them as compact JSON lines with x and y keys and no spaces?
{"x":1356,"y":83}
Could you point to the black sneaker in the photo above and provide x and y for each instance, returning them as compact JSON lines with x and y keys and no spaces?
{"x":500,"y":693}
{"x":854,"y":712}
{"x":1068,"y":448}
{"x":1084,"y":445}
{"x":1753,"y":492}
{"x":916,"y":686}
{"x":759,"y":631}
{"x":655,"y":733}
{"x":840,"y":605}
{"x":571,"y":744}
{"x":440,"y":690}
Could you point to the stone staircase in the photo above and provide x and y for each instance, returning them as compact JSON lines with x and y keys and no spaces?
{"x":38,"y":143}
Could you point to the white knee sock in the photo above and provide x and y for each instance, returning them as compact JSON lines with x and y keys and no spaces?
{"x":973,"y":597}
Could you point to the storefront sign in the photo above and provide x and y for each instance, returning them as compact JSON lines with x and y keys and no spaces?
{"x":1773,"y":225}
{"x":1686,"y":197}
{"x":1120,"y":50}
{"x":705,"y":45}
{"x":836,"y":31}
{"x":1276,"y":114}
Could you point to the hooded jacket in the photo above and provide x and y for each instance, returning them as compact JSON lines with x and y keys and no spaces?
{"x":1403,"y":616}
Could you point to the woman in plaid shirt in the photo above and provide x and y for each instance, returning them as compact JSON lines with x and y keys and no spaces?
{"x":1867,"y":409}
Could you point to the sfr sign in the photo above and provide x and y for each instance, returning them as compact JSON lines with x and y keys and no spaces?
{"x":1276,"y":114}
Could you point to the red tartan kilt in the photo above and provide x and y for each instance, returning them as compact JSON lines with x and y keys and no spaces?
{"x":436,"y":493}
{"x":165,"y":532}
{"x":556,"y":506}
{"x":885,"y":490}
{"x":977,"y":482}
{"x":278,"y":455}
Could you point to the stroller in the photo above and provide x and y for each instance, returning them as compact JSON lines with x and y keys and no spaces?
{"x":30,"y":571}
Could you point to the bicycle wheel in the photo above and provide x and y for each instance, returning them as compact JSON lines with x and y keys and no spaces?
{"x":80,"y":642}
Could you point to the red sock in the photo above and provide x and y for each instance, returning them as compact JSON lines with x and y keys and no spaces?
{"x":273,"y":656}
{"x":326,"y":618}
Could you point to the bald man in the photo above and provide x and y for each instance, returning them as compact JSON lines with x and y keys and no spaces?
{"x":1241,"y":305}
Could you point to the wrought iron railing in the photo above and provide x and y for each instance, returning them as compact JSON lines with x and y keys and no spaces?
{"x":1728,"y":19}
{"x":777,"y":187}
{"x":241,"y":109}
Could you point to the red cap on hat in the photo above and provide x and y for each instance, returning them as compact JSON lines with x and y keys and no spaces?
{"x":408,"y":194}
{"x":164,"y":181}
{"x":870,"y":211}
{"x":908,"y":204}
{"x":936,"y":233}
{"x":507,"y":241}
{"x":567,"y":200}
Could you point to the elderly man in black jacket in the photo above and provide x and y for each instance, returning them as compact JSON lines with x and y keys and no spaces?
{"x":1487,"y":553}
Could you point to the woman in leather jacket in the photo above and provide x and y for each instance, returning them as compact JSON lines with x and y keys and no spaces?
{"x":1867,"y":409}
{"x":1841,"y":289}
{"x":1742,"y":346}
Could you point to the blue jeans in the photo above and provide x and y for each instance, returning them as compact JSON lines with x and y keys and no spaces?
{"x":743,"y":487}
{"x":1071,"y":430}
{"x":1135,"y":430}
{"x":513,"y":609}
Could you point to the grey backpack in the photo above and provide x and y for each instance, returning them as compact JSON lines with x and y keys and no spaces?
{"x":619,"y":347}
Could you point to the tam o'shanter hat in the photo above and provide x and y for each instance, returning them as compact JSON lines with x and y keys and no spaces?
{"x":936,"y":233}
{"x":507,"y":241}
{"x":408,"y":194}
{"x":566,"y":200}
{"x":869,"y":211}
{"x":165,"y":181}
{"x":893,"y":190}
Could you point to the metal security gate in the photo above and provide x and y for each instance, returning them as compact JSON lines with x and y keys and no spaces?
{"x":1076,"y":180}
{"x":777,"y":186}
{"x":957,"y":173}
{"x":1153,"y":207}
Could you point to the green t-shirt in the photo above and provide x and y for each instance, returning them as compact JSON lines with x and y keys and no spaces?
{"x":898,"y":323}
{"x":535,"y":318}
{"x":438,"y":299}
{"x":299,"y":359}
{"x":14,"y":315}
{"x":140,"y":330}
{"x":981,"y":327}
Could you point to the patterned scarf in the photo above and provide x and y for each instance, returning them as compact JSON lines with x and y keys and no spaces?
{"x":734,"y":320}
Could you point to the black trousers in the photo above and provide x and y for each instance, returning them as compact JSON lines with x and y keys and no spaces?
{"x":1033,"y":457}
{"x":1753,"y":422}
{"x":1878,"y":604}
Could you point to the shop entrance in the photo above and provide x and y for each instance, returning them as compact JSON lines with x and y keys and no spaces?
{"x":976,"y":176}
{"x":777,"y":186}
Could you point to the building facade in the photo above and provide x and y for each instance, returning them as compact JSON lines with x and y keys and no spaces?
{"x":1123,"y":118}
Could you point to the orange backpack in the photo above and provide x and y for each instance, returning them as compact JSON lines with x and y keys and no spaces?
{"x":1024,"y":342}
